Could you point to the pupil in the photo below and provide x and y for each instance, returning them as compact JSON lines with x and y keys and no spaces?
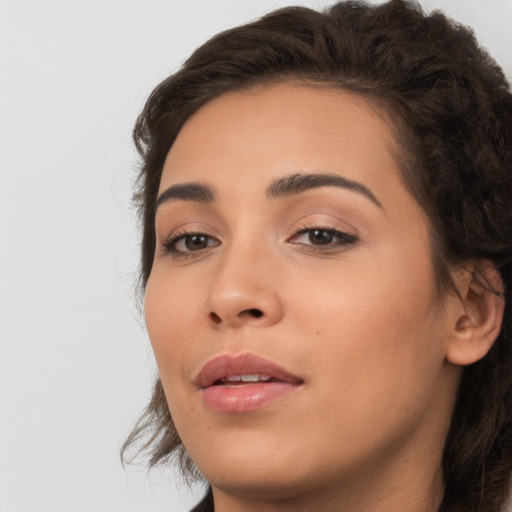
{"x":320,"y":237}
{"x":196,"y":242}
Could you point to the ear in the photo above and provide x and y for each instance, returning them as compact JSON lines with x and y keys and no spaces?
{"x":477,"y":321}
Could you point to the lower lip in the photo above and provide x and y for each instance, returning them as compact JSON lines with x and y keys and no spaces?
{"x":246,"y":398}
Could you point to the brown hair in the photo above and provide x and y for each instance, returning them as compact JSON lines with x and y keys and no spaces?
{"x":452,"y":108}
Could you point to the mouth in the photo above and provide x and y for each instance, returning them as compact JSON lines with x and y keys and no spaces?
{"x":243,"y":380}
{"x":244,"y":383}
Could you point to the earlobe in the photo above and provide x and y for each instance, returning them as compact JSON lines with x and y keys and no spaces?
{"x":478,"y":323}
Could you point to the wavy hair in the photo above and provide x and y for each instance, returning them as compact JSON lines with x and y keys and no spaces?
{"x":451,"y":110}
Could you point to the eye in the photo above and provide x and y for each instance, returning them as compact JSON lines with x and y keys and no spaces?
{"x":323,"y":238}
{"x":184,"y":244}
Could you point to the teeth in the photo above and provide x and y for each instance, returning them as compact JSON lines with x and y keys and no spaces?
{"x":250,"y":378}
{"x":246,"y":378}
{"x":232,"y":378}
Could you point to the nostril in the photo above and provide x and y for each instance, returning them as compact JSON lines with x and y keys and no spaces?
{"x":215,"y":318}
{"x":253,"y":312}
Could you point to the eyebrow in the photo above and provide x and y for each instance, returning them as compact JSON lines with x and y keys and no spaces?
{"x":187,"y":192}
{"x":297,"y":183}
{"x":282,"y":187}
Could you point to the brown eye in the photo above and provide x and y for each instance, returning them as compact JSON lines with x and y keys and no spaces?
{"x":192,"y":242}
{"x":196,"y":242}
{"x":323,"y":238}
{"x":320,"y":236}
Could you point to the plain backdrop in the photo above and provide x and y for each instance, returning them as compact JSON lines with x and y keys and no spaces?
{"x":75,"y":364}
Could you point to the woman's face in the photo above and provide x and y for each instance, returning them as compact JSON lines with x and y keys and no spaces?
{"x":292,"y":305}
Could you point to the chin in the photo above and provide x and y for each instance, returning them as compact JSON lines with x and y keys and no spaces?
{"x":255,"y":467}
{"x":271,"y":483}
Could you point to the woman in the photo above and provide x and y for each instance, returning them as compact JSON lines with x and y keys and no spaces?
{"x":326,"y":256}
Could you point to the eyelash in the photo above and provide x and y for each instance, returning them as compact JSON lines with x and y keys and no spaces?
{"x":344,"y":241}
{"x":171,"y":243}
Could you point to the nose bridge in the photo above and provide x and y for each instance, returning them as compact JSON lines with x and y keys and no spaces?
{"x":243,"y":289}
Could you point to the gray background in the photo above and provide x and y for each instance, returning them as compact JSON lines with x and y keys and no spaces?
{"x":75,"y":365}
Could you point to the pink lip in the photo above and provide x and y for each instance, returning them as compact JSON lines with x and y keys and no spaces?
{"x":244,"y":396}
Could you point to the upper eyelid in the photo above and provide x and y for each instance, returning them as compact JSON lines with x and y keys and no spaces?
{"x":328,"y":223}
{"x":189,"y":227}
{"x":335,"y":231}
{"x":175,"y":234}
{"x":173,"y":239}
{"x":322,"y":215}
{"x":168,"y":246}
{"x":303,"y":224}
{"x":178,"y":236}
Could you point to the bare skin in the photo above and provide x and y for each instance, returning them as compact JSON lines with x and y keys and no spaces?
{"x":333,"y":282}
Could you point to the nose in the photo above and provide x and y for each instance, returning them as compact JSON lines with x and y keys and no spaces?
{"x":244,"y":292}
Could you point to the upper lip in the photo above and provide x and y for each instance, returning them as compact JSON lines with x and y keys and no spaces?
{"x":222,"y":367}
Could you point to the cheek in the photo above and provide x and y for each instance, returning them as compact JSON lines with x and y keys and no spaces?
{"x":375,"y":325}
{"x":170,"y":322}
{"x":374,"y":347}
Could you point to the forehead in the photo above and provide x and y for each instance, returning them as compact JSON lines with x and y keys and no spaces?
{"x":261,"y":133}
